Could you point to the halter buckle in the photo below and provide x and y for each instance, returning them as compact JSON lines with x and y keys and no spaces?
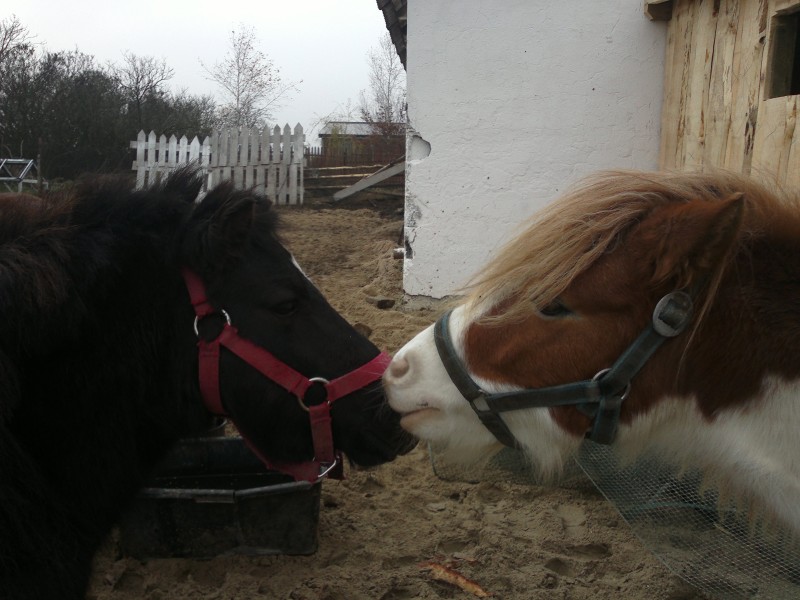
{"x":325,"y":469}
{"x":672,"y":313}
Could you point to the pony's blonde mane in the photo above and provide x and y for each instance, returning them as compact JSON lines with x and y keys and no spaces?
{"x":568,"y":236}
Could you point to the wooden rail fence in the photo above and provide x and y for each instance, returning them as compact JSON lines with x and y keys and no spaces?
{"x":269,"y":161}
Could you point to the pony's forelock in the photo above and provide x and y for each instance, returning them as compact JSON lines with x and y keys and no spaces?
{"x":568,"y":236}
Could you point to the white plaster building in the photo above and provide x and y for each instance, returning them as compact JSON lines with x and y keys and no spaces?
{"x":509,"y":102}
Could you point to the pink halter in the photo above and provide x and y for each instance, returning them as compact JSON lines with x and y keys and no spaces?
{"x":327,"y":460}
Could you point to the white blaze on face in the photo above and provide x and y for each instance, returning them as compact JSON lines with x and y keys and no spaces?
{"x":298,"y":267}
{"x":419,"y":388}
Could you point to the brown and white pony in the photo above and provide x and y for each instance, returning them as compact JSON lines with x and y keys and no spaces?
{"x":711,"y":381}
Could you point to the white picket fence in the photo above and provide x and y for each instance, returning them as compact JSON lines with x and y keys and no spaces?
{"x":271,"y":162}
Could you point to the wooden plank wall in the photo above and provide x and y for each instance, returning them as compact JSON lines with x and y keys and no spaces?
{"x":714,"y":112}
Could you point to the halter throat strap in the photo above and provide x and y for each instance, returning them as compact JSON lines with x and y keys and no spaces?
{"x":326,"y":457}
{"x":600,"y":397}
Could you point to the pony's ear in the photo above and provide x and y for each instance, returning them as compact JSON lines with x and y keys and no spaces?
{"x":186,"y":182}
{"x":229,"y":229}
{"x":220,"y":233}
{"x":688,"y":240}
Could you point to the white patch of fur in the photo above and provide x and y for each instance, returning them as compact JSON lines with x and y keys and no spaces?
{"x":457,"y":430}
{"x":299,"y":268}
{"x":426,"y":382}
{"x":751,"y":453}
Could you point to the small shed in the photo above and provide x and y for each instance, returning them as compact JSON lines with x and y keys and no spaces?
{"x":345,"y":134}
{"x":358,"y":142}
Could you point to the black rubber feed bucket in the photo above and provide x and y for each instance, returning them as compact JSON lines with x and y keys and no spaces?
{"x":212,"y":496}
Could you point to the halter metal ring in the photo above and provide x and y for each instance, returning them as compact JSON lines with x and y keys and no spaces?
{"x":325,"y":469}
{"x":197,"y":320}
{"x":602,"y":372}
{"x":321,"y":380}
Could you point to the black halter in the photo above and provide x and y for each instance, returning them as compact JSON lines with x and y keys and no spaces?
{"x":600,"y":397}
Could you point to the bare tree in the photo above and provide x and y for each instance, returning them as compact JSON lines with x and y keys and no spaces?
{"x":384,"y":104}
{"x":16,"y":54}
{"x":141,"y":78}
{"x":250,"y":82}
{"x":13,"y":36}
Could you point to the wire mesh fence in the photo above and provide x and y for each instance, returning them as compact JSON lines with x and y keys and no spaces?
{"x":712,"y":545}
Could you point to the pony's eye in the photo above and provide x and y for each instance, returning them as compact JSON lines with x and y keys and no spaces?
{"x":555,"y":309}
{"x":285,"y":308}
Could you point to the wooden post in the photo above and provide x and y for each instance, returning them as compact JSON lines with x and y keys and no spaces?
{"x":151,"y":157}
{"x":260,"y":169}
{"x":138,"y":164}
{"x":224,"y":148}
{"x":183,"y":151}
{"x":213,"y":170}
{"x":286,"y":157}
{"x":296,"y":166}
{"x":205,"y":161}
{"x":239,"y":139}
{"x":172,"y":148}
{"x":161,"y":151}
{"x":272,"y":168}
{"x":194,"y":152}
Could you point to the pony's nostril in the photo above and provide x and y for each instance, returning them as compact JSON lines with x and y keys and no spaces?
{"x":398,"y":367}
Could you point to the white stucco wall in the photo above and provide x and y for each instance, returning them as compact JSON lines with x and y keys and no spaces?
{"x":517,"y":99}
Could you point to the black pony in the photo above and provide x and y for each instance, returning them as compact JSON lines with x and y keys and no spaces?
{"x":99,"y":364}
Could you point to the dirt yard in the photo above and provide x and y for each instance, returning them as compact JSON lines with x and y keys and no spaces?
{"x":378,"y":527}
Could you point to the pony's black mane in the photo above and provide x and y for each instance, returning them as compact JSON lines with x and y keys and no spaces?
{"x":52,"y":254}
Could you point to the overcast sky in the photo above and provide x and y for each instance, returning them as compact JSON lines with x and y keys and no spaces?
{"x":324,"y":43}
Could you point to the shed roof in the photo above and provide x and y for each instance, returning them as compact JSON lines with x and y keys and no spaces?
{"x":351,"y":128}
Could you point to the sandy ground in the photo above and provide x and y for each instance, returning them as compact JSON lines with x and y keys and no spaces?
{"x":377,"y":527}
